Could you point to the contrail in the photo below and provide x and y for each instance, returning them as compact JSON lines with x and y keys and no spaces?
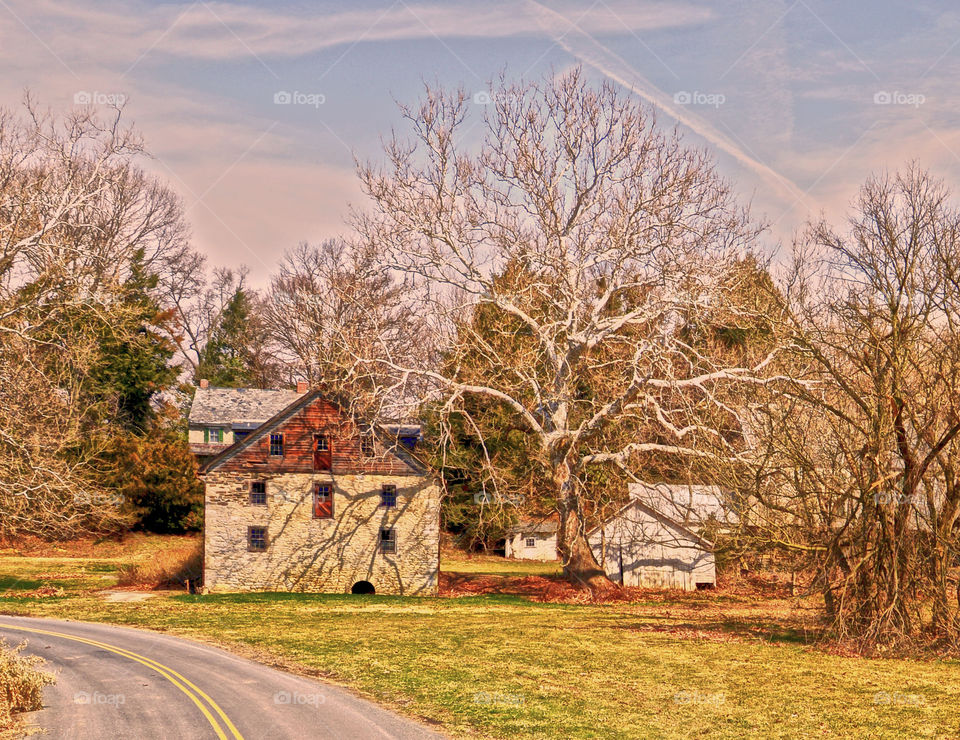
{"x":608,"y":63}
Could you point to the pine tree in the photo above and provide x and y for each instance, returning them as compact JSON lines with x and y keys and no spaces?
{"x":232,"y":357}
{"x":134,"y":355}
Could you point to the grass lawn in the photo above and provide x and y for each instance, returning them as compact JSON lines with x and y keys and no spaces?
{"x":689,"y":665}
{"x":493,"y":565}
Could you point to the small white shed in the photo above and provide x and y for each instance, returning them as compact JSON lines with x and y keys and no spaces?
{"x":652,"y":542}
{"x":532,"y":540}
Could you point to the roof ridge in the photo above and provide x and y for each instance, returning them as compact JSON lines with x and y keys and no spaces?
{"x":665,"y":518}
{"x":292,"y":408}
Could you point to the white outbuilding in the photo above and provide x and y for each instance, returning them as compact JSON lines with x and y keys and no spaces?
{"x":532,"y":540}
{"x":654,"y":540}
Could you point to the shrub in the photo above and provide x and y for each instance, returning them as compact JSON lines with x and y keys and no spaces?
{"x":156,"y":478}
{"x":21,"y":682}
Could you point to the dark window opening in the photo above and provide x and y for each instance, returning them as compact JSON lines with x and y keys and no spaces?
{"x":276,"y":445}
{"x":240,"y":434}
{"x":388,"y":541}
{"x":366,"y":445}
{"x":258,"y":493}
{"x":388,"y":496}
{"x":322,"y":501}
{"x":363,"y":587}
{"x":704,"y":586}
{"x":257,"y":538}
{"x":531,"y":542}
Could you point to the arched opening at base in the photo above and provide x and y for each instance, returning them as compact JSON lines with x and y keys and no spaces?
{"x":363,"y":587}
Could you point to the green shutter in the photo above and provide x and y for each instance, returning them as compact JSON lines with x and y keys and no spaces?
{"x":206,"y":435}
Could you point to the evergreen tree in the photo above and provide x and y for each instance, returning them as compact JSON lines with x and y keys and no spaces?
{"x":233,"y":356}
{"x":134,"y":355}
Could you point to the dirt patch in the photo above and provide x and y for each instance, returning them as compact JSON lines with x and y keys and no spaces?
{"x":127,"y":596}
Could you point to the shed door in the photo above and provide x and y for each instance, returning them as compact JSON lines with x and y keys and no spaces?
{"x":321,"y":452}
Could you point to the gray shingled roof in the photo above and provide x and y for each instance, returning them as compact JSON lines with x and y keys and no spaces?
{"x":238,"y":405}
{"x":544,"y":526}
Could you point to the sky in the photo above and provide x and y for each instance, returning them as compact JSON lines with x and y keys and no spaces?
{"x":256,"y":112}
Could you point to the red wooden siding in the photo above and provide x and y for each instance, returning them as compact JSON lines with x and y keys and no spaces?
{"x":319,"y":417}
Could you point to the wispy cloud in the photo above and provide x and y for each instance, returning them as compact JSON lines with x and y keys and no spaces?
{"x":798,"y":132}
{"x":579,"y":42}
{"x":215,"y":30}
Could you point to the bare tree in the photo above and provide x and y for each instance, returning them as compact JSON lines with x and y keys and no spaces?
{"x":331,"y":310}
{"x":75,"y":214}
{"x":199,"y":300}
{"x":858,"y":463}
{"x":620,"y":233}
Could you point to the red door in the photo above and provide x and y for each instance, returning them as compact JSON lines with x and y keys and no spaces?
{"x":321,"y":452}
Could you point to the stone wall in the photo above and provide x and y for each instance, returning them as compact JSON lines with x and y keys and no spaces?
{"x":323,"y":555}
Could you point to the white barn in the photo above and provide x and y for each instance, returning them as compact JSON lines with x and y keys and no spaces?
{"x":532,"y":541}
{"x":653,"y":541}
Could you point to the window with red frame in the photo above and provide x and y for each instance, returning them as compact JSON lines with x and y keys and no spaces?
{"x":322,"y":501}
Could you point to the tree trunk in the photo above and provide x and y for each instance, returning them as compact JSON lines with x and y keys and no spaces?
{"x":580,"y":566}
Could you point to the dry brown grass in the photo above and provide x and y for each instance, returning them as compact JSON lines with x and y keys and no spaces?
{"x":127,"y":545}
{"x":21,"y":685}
{"x":173,"y":566}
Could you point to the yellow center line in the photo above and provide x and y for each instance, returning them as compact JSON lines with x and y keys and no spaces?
{"x":167,"y":672}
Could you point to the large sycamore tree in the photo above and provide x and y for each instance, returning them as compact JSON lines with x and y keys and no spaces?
{"x":620,"y":233}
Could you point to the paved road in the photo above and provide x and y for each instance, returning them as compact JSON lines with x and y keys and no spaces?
{"x":118,"y":682}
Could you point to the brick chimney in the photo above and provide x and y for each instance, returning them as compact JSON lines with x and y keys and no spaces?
{"x":204,"y":383}
{"x":302,"y":386}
